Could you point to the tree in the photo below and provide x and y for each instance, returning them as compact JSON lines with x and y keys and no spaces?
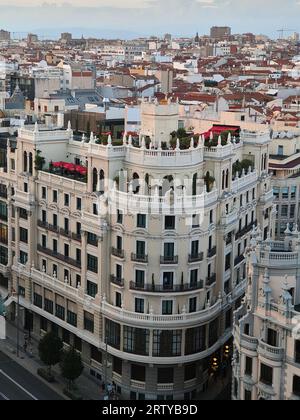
{"x":71,"y":365}
{"x":39,"y":161}
{"x":50,"y":348}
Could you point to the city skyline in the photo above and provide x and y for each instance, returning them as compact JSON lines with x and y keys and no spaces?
{"x":137,"y":17}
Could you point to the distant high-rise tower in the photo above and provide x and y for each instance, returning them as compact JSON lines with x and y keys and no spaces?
{"x":4,"y":35}
{"x":197,"y":39}
{"x":220,"y":32}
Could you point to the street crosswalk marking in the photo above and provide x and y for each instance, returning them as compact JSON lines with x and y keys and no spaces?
{"x":18,"y":385}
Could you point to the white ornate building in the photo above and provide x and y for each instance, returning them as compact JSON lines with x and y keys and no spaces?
{"x":140,"y":258}
{"x":266,"y":362}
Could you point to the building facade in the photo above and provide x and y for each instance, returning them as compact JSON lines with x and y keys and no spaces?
{"x":284,"y":165}
{"x":139,"y":264}
{"x":266,"y":329}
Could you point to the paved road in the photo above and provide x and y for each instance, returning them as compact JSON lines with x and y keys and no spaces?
{"x":17,"y":384}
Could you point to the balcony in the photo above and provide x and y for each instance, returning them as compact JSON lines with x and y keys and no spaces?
{"x":142,"y":258}
{"x":66,"y":233}
{"x":245,"y":230}
{"x":118,"y":252}
{"x":60,"y":257}
{"x":212,"y":252}
{"x":270,"y":352}
{"x":76,"y":237}
{"x":160,"y":321}
{"x":239,"y":259}
{"x":169,"y":259}
{"x":175,"y":288}
{"x":196,"y":257}
{"x":211,"y":280}
{"x":117,"y":280}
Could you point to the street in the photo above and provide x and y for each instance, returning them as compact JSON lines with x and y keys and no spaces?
{"x":18,"y":384}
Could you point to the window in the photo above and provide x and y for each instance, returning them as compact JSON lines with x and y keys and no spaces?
{"x":266,"y":374}
{"x":193,"y":305}
{"x":136,"y":340}
{"x":292,"y":211}
{"x":66,"y":200}
{"x":211,"y":216}
{"x":44,"y":241}
{"x":213,"y":335}
{"x":285,"y":192}
{"x":92,"y":239}
{"x":168,"y":280}
{"x":44,"y":192}
{"x":272,"y":337}
{"x":66,"y":225}
{"x":54,"y":196}
{"x":194,"y":278}
{"x":23,"y":257}
{"x":165,"y":375}
{"x":96,"y":354}
{"x":140,"y":249}
{"x":78,"y":228}
{"x":78,"y":203}
{"x":138,"y":373}
{"x":167,"y":343}
{"x":55,"y":220}
{"x":248,"y":366}
{"x":88,"y":322}
{"x":293,"y":192}
{"x":113,"y":333}
{"x":92,"y":263}
{"x":195,"y":221}
{"x":169,"y":222}
{"x":66,"y":250}
{"x":44,"y":216}
{"x":139,"y":305}
{"x":37,"y":300}
{"x":119,"y":243}
{"x":195,"y":340}
{"x":54,"y":246}
{"x":95,"y":209}
{"x":66,"y":275}
{"x":92,"y":289}
{"x":276,"y":192}
{"x":72,"y":318}
{"x":280,"y":150}
{"x":140,"y":278}
{"x":117,"y":365}
{"x":25,"y":187}
{"x":118,"y":300}
{"x":296,"y":385}
{"x":60,"y":312}
{"x":167,"y":307}
{"x":284,"y":211}
{"x":119,"y":216}
{"x":141,"y":221}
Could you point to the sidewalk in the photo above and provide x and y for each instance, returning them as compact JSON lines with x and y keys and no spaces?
{"x":89,"y":389}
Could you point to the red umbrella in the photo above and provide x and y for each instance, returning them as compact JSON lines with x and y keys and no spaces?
{"x":81,"y":169}
{"x":58,"y":164}
{"x":69,"y":166}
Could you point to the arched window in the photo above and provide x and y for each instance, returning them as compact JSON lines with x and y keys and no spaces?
{"x":167,"y":184}
{"x":227,"y":178}
{"x":195,"y":178}
{"x":95,"y":179}
{"x":25,"y":167}
{"x":30,"y":163}
{"x":135,"y":183}
{"x":223,"y":180}
{"x":102,"y":179}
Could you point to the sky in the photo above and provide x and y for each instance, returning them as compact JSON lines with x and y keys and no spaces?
{"x":130,"y":18}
